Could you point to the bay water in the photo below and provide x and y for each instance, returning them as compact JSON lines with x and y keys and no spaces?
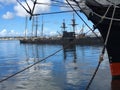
{"x":69,"y":69}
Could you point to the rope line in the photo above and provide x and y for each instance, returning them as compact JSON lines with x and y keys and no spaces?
{"x":115,"y":19}
{"x":31,"y":14}
{"x":102,"y":18}
{"x":97,"y":68}
{"x":23,"y":7}
{"x":67,"y":11}
{"x":47,"y":4}
{"x":110,"y":25}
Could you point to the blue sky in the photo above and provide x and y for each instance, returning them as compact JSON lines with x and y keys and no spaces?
{"x":12,"y":18}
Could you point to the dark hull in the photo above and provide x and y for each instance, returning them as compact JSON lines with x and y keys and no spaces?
{"x":80,"y":41}
{"x":113,"y":44}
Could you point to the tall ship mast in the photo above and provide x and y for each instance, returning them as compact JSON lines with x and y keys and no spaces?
{"x":73,"y":23}
{"x":26,"y":27}
{"x":105,"y":15}
{"x":63,"y":25}
{"x":36,"y":27}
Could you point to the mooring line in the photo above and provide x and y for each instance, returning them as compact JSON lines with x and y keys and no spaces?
{"x":95,"y":72}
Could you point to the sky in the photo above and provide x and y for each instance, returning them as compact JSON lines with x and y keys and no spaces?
{"x":13,"y":18}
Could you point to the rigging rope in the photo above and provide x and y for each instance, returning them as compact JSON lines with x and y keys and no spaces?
{"x":102,"y":18}
{"x":55,"y":12}
{"x":115,"y":19}
{"x":23,"y":7}
{"x":111,"y":4}
{"x":48,"y":4}
{"x":31,"y":14}
{"x":110,"y":26}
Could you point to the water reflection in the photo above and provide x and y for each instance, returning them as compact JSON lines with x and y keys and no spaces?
{"x":70,"y":51}
{"x":70,"y":69}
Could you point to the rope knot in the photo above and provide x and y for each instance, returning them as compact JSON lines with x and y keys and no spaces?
{"x":101,"y":57}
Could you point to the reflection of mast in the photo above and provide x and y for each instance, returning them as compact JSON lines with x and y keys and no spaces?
{"x":37,"y":52}
{"x":42,"y":49}
{"x":27,"y":55}
{"x":70,"y":50}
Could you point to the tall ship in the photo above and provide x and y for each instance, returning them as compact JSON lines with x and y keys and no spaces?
{"x":105,"y":15}
{"x":63,"y":38}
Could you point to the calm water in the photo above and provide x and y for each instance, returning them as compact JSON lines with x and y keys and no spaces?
{"x":70,"y":69}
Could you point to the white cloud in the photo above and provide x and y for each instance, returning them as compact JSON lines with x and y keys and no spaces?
{"x":38,"y":8}
{"x":5,"y":32}
{"x":7,"y":1}
{"x":52,"y":33}
{"x":8,"y":15}
{"x":67,"y":5}
{"x":81,"y":3}
{"x":20,"y":11}
{"x":11,"y":33}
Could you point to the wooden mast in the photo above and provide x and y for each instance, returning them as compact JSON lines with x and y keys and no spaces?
{"x":36,"y":30}
{"x":64,"y":25}
{"x":32,"y":26}
{"x":74,"y":23}
{"x":26,"y":27}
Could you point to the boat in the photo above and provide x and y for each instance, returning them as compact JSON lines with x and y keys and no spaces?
{"x":105,"y":15}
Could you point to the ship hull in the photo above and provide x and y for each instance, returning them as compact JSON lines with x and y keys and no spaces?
{"x":113,"y":43}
